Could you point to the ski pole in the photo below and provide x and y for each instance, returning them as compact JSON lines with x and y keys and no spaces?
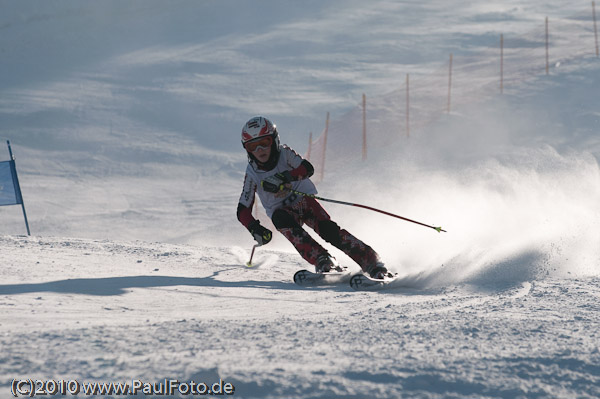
{"x":249,"y":263}
{"x":438,"y":229}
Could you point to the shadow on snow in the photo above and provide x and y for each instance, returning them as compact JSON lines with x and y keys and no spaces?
{"x":119,"y":285}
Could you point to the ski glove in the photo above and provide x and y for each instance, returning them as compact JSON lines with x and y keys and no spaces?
{"x":277,"y":182}
{"x":261,"y":235}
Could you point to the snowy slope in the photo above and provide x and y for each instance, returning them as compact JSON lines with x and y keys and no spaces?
{"x":122,"y":311}
{"x":125,"y":119}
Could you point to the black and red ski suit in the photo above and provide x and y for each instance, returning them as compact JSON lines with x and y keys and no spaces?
{"x":289,"y":214}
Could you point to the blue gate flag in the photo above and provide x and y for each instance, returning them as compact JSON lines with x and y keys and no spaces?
{"x":10,"y":191}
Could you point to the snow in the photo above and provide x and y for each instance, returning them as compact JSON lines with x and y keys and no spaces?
{"x":124,"y":118}
{"x":118,"y":311}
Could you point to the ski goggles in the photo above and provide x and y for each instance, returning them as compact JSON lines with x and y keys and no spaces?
{"x":254,"y":145}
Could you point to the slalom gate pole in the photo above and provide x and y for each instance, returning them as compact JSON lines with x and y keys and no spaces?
{"x":17,"y":185}
{"x":438,"y":229}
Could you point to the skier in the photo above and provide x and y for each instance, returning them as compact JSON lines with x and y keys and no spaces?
{"x":273,"y":169}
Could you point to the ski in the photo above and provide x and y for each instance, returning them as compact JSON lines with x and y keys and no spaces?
{"x":362,"y":282}
{"x":306,"y":278}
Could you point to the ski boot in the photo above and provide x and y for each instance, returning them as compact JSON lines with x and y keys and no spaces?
{"x":378,"y":271}
{"x":326,"y":263}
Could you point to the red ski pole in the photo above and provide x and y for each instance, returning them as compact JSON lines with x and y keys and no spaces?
{"x":249,"y":263}
{"x":438,"y":229}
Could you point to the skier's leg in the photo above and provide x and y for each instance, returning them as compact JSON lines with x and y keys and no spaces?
{"x":356,"y":249}
{"x":319,"y":220}
{"x":306,"y":246}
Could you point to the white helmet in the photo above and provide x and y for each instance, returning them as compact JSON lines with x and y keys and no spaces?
{"x":258,"y":127}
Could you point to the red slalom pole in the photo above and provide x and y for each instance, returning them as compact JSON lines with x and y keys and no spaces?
{"x":438,"y":229}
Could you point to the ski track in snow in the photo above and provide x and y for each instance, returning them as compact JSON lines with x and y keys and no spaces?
{"x":97,"y":310}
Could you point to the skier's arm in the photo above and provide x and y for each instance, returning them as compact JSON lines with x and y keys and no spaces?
{"x":244,"y":215}
{"x":304,"y":171}
{"x":261,"y":234}
{"x":300,"y":168}
{"x":244,"y":209}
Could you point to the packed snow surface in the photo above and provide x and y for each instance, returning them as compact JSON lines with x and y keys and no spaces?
{"x":120,"y":311}
{"x":124,"y":118}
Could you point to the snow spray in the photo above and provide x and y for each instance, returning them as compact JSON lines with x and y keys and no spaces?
{"x":521,"y":216}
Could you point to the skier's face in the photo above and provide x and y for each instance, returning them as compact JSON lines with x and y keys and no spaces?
{"x":262,"y":153}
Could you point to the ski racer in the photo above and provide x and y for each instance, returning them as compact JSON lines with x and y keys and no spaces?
{"x":273,"y":169}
